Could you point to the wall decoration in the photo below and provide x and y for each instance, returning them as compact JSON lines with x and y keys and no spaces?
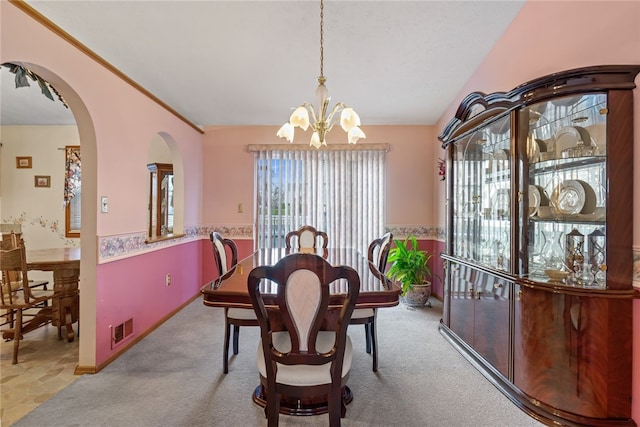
{"x":29,"y":223}
{"x":22,"y":79}
{"x":23,"y":162}
{"x":43,"y":181}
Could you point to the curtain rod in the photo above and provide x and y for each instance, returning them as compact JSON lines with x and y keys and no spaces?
{"x":252,"y":148}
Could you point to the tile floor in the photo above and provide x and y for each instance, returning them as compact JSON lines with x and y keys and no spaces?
{"x":45,"y":366}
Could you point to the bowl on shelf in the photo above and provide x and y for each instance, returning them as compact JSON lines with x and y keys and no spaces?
{"x":556,"y":275}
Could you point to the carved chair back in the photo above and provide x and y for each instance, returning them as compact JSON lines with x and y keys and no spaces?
{"x":306,"y":237}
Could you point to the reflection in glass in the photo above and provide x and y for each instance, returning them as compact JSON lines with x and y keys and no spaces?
{"x":161,"y":212}
{"x":597,"y":258}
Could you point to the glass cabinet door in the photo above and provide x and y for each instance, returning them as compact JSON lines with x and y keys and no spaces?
{"x":482,"y":191}
{"x":565,"y":189}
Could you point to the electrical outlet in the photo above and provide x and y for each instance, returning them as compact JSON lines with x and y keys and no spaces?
{"x":104,"y":204}
{"x":240,"y":208}
{"x":167,"y":280}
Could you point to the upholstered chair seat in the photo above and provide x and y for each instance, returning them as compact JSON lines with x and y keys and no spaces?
{"x":241,"y":314}
{"x":306,"y":375}
{"x":362,"y":312}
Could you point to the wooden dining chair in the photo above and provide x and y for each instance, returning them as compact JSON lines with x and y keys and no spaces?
{"x":306,"y":360}
{"x":377,"y":254}
{"x":306,"y":237}
{"x":225,"y":253}
{"x":17,"y":296}
{"x":11,"y":241}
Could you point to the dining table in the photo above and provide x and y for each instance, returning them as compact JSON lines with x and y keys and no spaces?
{"x":376,"y":291}
{"x":65,"y":265}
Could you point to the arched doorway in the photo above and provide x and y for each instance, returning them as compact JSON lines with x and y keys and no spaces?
{"x":86,"y":133}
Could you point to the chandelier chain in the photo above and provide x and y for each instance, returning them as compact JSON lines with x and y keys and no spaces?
{"x":321,"y":39}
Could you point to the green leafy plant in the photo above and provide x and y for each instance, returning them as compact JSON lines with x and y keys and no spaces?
{"x":409,"y":265}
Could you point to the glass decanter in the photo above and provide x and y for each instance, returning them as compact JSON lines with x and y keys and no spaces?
{"x":552,"y":252}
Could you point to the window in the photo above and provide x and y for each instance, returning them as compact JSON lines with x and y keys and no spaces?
{"x":339,"y":191}
{"x":72,"y":191}
{"x":72,"y":216}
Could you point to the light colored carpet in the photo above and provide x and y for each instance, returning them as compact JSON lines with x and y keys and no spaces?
{"x":174,"y":377}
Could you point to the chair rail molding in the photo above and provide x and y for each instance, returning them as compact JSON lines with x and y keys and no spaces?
{"x":432,"y":232}
{"x":119,"y":246}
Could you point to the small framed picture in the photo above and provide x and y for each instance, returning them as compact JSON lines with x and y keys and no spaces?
{"x":23,"y":162}
{"x":42,"y":181}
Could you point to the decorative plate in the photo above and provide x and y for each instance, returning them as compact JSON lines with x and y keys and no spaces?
{"x":590,"y":199}
{"x":598,"y":134}
{"x":566,"y":137}
{"x":534,"y":200}
{"x":568,"y":197}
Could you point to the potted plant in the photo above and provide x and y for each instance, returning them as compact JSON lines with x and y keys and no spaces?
{"x":409,"y":266}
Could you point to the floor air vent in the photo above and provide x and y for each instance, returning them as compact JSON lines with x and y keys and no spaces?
{"x":121,"y":332}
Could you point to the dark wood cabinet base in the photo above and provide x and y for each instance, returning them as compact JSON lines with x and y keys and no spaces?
{"x":534,"y":408}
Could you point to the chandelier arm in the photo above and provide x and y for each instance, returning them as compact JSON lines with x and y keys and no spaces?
{"x":309,"y":107}
{"x":336,"y":109}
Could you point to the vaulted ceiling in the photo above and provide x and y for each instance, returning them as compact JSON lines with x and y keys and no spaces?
{"x":250,"y":62}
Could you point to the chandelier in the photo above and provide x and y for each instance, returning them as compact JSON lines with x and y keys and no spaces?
{"x":324,"y":120}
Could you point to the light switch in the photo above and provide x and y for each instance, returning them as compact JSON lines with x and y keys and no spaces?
{"x":104,"y":204}
{"x":240,"y":210}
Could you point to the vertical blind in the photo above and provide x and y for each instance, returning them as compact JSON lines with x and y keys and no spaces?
{"x":338,"y":191}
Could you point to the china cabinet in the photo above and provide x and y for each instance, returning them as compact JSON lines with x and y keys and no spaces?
{"x":160,"y":199}
{"x":538,"y":291}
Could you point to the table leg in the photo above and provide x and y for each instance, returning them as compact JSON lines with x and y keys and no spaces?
{"x":66,"y":301}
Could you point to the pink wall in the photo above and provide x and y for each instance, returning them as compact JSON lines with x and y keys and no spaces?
{"x":209,"y":269}
{"x":436,"y":247}
{"x":411,"y":171}
{"x":135,"y":288}
{"x":547,"y":37}
{"x":116,"y":125}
